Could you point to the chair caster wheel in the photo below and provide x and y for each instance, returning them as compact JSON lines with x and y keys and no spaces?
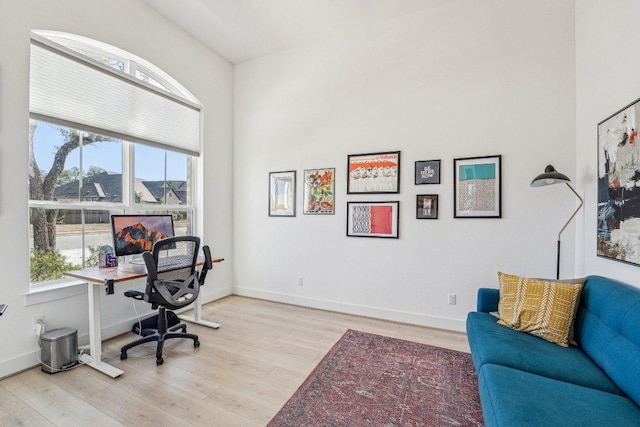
{"x":196,"y":344}
{"x":159,"y":361}
{"x":123,"y":356}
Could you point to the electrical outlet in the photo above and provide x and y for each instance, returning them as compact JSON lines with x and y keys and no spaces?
{"x":40,"y":328}
{"x":38,"y":324}
{"x":451,"y":299}
{"x":300,"y":281}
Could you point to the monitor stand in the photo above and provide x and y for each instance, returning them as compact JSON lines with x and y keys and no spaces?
{"x":133,"y":264}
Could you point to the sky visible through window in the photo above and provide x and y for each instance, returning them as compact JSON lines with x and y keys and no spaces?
{"x":47,"y":137}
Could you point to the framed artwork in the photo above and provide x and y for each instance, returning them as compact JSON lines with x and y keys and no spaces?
{"x":618,"y":224}
{"x":427,"y":172}
{"x":373,"y":219}
{"x":373,"y":173}
{"x":319,"y":191}
{"x":477,"y":187}
{"x":282,"y":193}
{"x":427,"y":206}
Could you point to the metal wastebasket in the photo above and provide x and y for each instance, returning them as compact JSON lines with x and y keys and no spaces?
{"x":59,"y":349}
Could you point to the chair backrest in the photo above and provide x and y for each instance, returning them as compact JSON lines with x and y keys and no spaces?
{"x":176,"y":257}
{"x":172,"y":279}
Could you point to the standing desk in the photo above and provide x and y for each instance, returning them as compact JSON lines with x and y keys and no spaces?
{"x":106,"y":277}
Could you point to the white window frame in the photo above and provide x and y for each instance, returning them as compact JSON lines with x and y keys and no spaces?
{"x":128,"y":204}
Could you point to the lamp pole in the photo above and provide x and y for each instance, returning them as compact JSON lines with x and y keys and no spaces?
{"x":549,"y":177}
{"x":565,"y":226}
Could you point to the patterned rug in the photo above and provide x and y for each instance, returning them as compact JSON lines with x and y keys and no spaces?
{"x":371,"y":380}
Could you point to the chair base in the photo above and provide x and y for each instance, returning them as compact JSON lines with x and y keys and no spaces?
{"x":160,"y":335}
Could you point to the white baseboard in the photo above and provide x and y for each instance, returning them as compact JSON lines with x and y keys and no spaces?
{"x":125,"y":326}
{"x":359,"y":310}
{"x":207,"y":297}
{"x":29,"y":360}
{"x":18,"y":364}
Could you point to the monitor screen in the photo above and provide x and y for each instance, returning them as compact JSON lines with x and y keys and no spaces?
{"x":134,"y":234}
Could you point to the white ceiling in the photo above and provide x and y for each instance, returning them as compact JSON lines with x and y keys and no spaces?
{"x":241,"y":30}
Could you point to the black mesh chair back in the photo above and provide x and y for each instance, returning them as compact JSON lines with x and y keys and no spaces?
{"x":172,"y":279}
{"x":173,"y":282}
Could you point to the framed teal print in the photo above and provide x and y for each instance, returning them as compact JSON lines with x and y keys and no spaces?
{"x":477,"y":187}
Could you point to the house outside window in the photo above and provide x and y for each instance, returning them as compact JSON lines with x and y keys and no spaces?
{"x":80,"y":176}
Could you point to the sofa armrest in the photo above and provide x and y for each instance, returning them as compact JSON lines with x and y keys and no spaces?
{"x":488,"y":300}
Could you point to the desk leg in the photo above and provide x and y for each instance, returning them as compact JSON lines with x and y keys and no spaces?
{"x":197,"y":307}
{"x":95,"y":335}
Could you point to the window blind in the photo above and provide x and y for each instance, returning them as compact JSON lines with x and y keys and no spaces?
{"x":75,"y":91}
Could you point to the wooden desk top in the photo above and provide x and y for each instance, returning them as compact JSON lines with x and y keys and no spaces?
{"x":101,"y":275}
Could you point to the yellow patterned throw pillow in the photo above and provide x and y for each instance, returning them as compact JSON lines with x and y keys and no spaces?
{"x":544,"y":308}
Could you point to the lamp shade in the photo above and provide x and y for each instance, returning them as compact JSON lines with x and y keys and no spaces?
{"x":549,"y":177}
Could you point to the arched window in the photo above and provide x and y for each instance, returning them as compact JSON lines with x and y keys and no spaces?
{"x":109,"y":133}
{"x":118,"y":59}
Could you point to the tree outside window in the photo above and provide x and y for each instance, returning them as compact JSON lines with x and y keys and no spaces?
{"x":78,"y":179}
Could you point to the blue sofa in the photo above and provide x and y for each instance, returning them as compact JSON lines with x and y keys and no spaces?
{"x":526,"y":381}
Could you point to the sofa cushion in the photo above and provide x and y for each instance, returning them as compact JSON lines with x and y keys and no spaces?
{"x":607,"y":328}
{"x":492,"y":343}
{"x":511,"y":397}
{"x":539,"y":307}
{"x":581,"y":280}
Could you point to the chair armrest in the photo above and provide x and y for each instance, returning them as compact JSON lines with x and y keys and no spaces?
{"x":208,"y":265}
{"x":488,"y":300}
{"x":135,"y":294}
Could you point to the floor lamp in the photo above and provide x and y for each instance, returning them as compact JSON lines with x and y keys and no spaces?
{"x":549,"y":177}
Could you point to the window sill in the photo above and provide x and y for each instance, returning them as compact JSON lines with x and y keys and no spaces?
{"x":55,"y":291}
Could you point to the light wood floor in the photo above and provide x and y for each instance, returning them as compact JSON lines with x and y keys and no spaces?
{"x":241,"y":375}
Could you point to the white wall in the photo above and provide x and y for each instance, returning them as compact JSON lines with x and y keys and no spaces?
{"x":132,"y":26}
{"x":460,"y":80}
{"x":607,"y":64}
{"x":463,"y":79}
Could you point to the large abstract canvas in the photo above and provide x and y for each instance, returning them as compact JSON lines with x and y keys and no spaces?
{"x":619,"y":186}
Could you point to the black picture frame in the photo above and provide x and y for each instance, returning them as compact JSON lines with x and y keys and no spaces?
{"x":373,"y":219}
{"x":477,"y":187}
{"x":427,"y":206}
{"x":373,"y":173}
{"x":427,"y":172}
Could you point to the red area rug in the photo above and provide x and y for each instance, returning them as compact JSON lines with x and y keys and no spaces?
{"x":371,"y":380}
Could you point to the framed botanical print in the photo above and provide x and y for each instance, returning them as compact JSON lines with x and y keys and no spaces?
{"x":373,"y":219}
{"x":282,"y":193}
{"x":373,"y":173}
{"x":427,"y":206}
{"x":477,"y":186}
{"x":319,"y":191}
{"x":427,"y":172}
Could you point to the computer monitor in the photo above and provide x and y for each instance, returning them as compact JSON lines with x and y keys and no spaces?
{"x":135,"y":234}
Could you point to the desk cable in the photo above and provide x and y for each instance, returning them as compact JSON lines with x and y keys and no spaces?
{"x":116,"y":357}
{"x":41,"y":330}
{"x":133,"y":302}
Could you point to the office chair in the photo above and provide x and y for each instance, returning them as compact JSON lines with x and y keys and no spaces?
{"x":172,"y":283}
